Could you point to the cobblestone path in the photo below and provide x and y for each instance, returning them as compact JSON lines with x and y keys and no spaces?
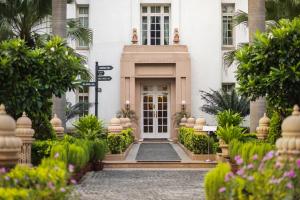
{"x":142,"y":185}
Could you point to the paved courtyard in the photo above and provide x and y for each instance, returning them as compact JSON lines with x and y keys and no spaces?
{"x":143,"y":185}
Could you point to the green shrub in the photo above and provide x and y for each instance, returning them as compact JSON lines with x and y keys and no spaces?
{"x":247,"y":150}
{"x":60,"y":152}
{"x":89,"y":127}
{"x":229,"y":133}
{"x":275,"y":128}
{"x":14,"y":194}
{"x":41,"y":149}
{"x":116,"y":143}
{"x":214,"y":180}
{"x":77,"y":156}
{"x":100,"y":149}
{"x":228,"y":118}
{"x":196,"y":143}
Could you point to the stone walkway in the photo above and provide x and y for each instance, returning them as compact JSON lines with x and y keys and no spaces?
{"x":143,"y":185}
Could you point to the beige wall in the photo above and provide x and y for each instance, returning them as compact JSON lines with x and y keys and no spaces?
{"x":164,"y":64}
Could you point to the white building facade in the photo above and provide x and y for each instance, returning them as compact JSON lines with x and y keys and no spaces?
{"x":157,"y":69}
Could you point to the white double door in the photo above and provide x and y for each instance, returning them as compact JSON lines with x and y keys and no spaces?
{"x":155,"y":112}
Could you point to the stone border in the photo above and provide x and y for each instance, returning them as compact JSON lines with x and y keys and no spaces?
{"x":200,"y":157}
{"x":117,"y":157}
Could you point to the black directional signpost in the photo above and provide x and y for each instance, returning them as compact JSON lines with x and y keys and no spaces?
{"x":99,"y":76}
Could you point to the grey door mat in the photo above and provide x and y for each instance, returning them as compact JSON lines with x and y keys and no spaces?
{"x":157,"y":152}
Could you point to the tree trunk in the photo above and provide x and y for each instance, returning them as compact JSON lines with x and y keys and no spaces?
{"x":59,"y":26}
{"x":257,"y":18}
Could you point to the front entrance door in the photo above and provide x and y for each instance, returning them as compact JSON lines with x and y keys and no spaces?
{"x":155,"y":112}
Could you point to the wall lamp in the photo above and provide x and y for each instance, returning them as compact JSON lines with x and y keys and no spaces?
{"x":127,"y":105}
{"x":183,"y":105}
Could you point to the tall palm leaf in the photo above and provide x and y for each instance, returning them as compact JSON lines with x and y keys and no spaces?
{"x":76,"y":31}
{"x":218,"y":101}
{"x":75,"y":110}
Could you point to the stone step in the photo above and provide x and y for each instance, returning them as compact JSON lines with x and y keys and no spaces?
{"x":153,"y":165}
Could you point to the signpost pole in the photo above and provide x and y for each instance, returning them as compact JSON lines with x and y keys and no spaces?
{"x":96,"y":90}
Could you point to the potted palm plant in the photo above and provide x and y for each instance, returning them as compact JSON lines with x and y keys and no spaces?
{"x":226,"y":135}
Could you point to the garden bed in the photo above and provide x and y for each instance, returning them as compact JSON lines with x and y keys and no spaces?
{"x":117,"y":157}
{"x":199,"y":157}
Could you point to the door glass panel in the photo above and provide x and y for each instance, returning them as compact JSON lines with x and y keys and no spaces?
{"x":148,"y":114}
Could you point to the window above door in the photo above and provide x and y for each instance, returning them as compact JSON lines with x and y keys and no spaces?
{"x":155,"y":24}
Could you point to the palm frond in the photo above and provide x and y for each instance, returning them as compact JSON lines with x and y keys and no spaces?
{"x":218,"y":101}
{"x":75,"y":110}
{"x":76,"y":31}
{"x":240,"y":17}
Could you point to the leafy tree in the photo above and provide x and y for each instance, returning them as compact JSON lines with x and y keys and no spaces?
{"x":27,"y":19}
{"x":271,"y":66}
{"x":219,"y":101}
{"x":29,"y":77}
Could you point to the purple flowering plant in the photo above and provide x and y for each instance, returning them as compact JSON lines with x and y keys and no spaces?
{"x":264,"y":179}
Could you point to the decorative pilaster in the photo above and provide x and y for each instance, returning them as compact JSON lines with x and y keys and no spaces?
{"x":10,"y":145}
{"x":115,"y":126}
{"x":263,"y":128}
{"x":25,"y":132}
{"x":289,"y":145}
{"x":57,"y":126}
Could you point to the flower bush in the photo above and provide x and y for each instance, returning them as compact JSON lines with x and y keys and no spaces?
{"x":118,"y":143}
{"x":47,"y":181}
{"x":263,"y":179}
{"x":197,"y":143}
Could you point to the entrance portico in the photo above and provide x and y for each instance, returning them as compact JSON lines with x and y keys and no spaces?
{"x":156,"y":80}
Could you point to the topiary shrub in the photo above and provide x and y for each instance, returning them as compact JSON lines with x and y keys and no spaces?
{"x":214,"y":181}
{"x":77,"y":156}
{"x":200,"y":144}
{"x":116,"y":143}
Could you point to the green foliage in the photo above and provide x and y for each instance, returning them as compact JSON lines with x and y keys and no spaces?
{"x":248,"y":149}
{"x":41,"y":149}
{"x":228,"y":118}
{"x":118,"y":143}
{"x":14,"y":193}
{"x":89,"y":127}
{"x":197,"y":143}
{"x":43,"y":182}
{"x":229,"y":133}
{"x":275,"y":128}
{"x":270,"y":66}
{"x":60,"y":152}
{"x":29,"y":77}
{"x":214,"y":180}
{"x":220,"y":101}
{"x":100,"y":149}
{"x":77,"y":156}
{"x":127,"y":113}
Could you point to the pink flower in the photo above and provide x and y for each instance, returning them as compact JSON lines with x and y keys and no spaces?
{"x":290,"y":174}
{"x":222,"y":189}
{"x":289,"y":185}
{"x":228,"y":176}
{"x":51,"y":186}
{"x":250,"y":178}
{"x":298,"y":163}
{"x":255,"y":157}
{"x":73,"y":181}
{"x":278,"y":164}
{"x":6,"y":178}
{"x":269,"y":156}
{"x":62,"y":189}
{"x":250,"y":166}
{"x":71,"y":168}
{"x":238,"y":160}
{"x":240,"y":172}
{"x":2,"y":170}
{"x":56,"y":155}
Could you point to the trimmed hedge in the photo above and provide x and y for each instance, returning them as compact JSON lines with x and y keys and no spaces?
{"x":196,"y":143}
{"x":118,"y":143}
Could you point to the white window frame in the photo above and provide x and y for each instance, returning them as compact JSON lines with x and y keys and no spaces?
{"x":233,"y":28}
{"x":228,"y":85}
{"x":78,"y":46}
{"x":83,"y":94}
{"x":162,"y":14}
